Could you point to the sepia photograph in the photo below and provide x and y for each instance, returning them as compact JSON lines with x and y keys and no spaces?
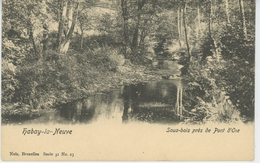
{"x":128,"y":80}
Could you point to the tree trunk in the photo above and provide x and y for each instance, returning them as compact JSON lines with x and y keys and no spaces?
{"x":242,"y":13}
{"x":30,"y":28}
{"x":81,"y":36}
{"x":213,"y":42}
{"x":177,"y":102}
{"x":69,"y":16}
{"x":135,"y":37}
{"x":179,"y":28}
{"x":64,"y":17}
{"x":181,"y":109}
{"x":213,"y":7}
{"x":198,"y":28}
{"x":142,"y":37}
{"x":136,"y":32}
{"x":181,"y":23}
{"x":45,"y":38}
{"x":65,"y":44}
{"x":227,"y":12}
{"x":58,"y":41}
{"x":209,"y":22}
{"x":125,"y":17}
{"x":62,"y":14}
{"x":185,"y":30}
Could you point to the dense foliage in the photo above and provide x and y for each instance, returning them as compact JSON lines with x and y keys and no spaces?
{"x":55,"y":51}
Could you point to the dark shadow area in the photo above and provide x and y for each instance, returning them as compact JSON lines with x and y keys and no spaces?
{"x":152,"y":102}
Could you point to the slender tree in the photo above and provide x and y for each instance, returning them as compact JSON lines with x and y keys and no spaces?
{"x":140,"y":4}
{"x":84,"y":19}
{"x":64,"y":46}
{"x":179,"y":25}
{"x":181,"y":22}
{"x":125,"y":18}
{"x":198,"y":27}
{"x":185,"y":30}
{"x":62,"y":13}
{"x":30,"y":28}
{"x":81,"y":35}
{"x":227,"y":11}
{"x":69,"y":16}
{"x":243,"y":20}
{"x":212,"y":42}
{"x":209,"y":21}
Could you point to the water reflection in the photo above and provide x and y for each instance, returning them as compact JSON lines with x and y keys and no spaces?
{"x":86,"y":110}
{"x":153,"y":102}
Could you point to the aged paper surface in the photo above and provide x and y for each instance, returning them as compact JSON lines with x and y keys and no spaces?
{"x":128,"y":142}
{"x":74,"y":87}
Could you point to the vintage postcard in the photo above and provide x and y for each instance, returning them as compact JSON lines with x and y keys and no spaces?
{"x":128,"y":80}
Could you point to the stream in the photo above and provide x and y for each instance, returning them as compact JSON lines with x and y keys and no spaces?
{"x":152,"y":102}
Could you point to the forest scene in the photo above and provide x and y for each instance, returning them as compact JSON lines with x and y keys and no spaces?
{"x":157,"y":61}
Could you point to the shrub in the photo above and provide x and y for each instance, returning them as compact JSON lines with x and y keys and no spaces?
{"x":239,"y":73}
{"x":17,"y":112}
{"x":95,"y":41}
{"x":37,"y":83}
{"x":9,"y":84}
{"x":223,"y":111}
{"x":205,"y":98}
{"x":106,"y":58}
